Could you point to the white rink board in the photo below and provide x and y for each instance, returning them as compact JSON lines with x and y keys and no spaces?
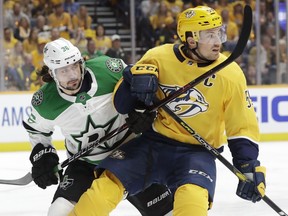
{"x":13,"y":109}
{"x":271,"y":104}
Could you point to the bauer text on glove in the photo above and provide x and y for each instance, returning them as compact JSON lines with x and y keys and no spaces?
{"x":44,"y":159}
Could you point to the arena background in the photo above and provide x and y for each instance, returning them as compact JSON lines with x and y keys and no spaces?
{"x":121,"y":17}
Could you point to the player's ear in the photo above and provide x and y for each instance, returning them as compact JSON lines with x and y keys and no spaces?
{"x":191,"y":42}
{"x":50,"y":72}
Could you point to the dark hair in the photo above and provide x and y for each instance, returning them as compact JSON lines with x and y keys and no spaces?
{"x":100,"y":25}
{"x":44,"y":73}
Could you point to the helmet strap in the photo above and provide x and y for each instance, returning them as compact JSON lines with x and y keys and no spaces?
{"x":196,"y":53}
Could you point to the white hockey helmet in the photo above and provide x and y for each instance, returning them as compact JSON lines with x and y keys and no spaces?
{"x":60,"y":53}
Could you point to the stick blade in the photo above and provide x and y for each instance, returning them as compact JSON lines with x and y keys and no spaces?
{"x":25,"y":180}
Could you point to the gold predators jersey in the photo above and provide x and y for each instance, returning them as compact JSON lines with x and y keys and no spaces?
{"x":217,"y":107}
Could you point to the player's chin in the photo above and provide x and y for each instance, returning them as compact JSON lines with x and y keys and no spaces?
{"x":74,"y":85}
{"x":214,"y":56}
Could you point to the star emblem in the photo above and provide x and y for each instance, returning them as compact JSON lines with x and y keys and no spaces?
{"x":94,"y":132}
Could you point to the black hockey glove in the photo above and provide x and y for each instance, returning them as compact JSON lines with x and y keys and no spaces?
{"x":255,"y":189}
{"x":44,"y":159}
{"x":139,"y":122}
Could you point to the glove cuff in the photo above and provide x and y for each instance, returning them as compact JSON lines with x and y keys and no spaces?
{"x":261,"y":169}
{"x":248,"y":166}
{"x":141,"y":69}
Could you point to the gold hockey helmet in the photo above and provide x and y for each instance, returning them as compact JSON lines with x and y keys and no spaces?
{"x":197,"y":19}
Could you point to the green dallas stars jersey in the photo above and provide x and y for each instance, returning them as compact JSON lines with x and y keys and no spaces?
{"x":83,"y":118}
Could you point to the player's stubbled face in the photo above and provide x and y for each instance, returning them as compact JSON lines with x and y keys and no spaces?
{"x":209,"y":44}
{"x":209,"y":51}
{"x":69,"y":77}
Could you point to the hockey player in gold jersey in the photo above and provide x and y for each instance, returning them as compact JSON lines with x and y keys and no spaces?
{"x":219,"y":109}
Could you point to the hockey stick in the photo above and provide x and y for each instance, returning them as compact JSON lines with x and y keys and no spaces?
{"x":21,"y":181}
{"x":240,"y":46}
{"x":28,"y":177}
{"x":216,"y":153}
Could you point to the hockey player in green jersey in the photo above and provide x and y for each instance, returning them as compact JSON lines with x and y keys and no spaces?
{"x":77,"y":97}
{"x":218,"y":106}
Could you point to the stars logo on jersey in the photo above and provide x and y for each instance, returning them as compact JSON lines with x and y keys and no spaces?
{"x":37,"y":98}
{"x":66,"y":182}
{"x":92,"y":133}
{"x":114,"y":65}
{"x":188,"y":104}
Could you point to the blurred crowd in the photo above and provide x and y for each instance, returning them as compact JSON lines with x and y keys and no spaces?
{"x":158,"y":25}
{"x":30,"y":24}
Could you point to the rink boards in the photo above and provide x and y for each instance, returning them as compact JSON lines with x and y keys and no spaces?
{"x":270,"y":102}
